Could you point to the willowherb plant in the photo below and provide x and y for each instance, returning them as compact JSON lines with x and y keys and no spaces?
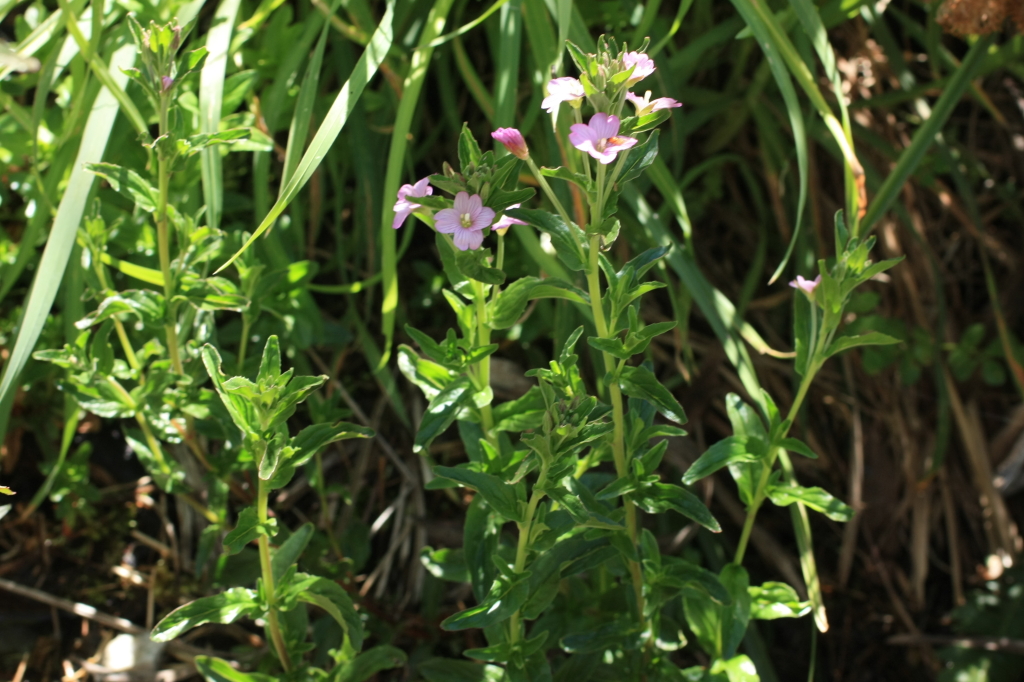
{"x":167,"y":338}
{"x":582,"y":567}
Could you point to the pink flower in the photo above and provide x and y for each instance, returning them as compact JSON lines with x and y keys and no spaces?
{"x":643,"y":66}
{"x":562,"y":90}
{"x":645,"y":106}
{"x":600,"y":138}
{"x":513,"y":141}
{"x":466,"y":221}
{"x":505,"y":221}
{"x":166,"y":83}
{"x":806,"y":285}
{"x":403,"y":207}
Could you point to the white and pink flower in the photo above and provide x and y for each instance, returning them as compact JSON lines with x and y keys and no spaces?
{"x":404,"y":207}
{"x":600,"y":138}
{"x":465,"y":222}
{"x":562,"y":90}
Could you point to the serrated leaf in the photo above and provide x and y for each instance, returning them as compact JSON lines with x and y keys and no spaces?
{"x":442,"y":410}
{"x":129,"y":183}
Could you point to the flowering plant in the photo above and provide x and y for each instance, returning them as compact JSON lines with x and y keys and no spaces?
{"x":583,"y":567}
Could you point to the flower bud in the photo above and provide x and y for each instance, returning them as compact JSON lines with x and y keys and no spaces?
{"x":513,"y":141}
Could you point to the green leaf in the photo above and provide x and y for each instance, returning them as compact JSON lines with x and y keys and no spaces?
{"x":815,"y":498}
{"x":332,"y":598}
{"x":312,"y":438}
{"x":721,"y":454}
{"x":870,"y":339}
{"x":289,"y":552}
{"x":567,"y":247}
{"x":129,"y":183}
{"x":501,"y":602}
{"x":248,"y":529}
{"x":660,"y":497}
{"x":737,"y":669}
{"x":613,"y":347}
{"x":224,"y":608}
{"x":369,"y":663}
{"x":508,"y":307}
{"x":442,"y":410}
{"x":798,"y":446}
{"x":241,"y":410}
{"x":499,"y":494}
{"x":640,"y":157}
{"x":333,"y":122}
{"x":776,"y":600}
{"x":473,"y":264}
{"x":640,"y":382}
{"x":215,"y":669}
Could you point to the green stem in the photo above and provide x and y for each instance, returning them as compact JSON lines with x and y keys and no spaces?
{"x":523,"y":546}
{"x":163,"y":240}
{"x":618,"y":416}
{"x":543,"y":182}
{"x":268,"y":580}
{"x":243,"y":344}
{"x":483,"y":368}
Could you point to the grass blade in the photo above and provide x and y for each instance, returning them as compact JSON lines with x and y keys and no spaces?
{"x":433,"y":26}
{"x":506,"y":76}
{"x":62,"y":235}
{"x":328,"y":132}
{"x":211,"y":97}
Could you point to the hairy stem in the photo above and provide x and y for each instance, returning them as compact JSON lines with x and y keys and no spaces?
{"x":483,"y":368}
{"x":268,"y":579}
{"x":523,"y":546}
{"x":618,"y":416}
{"x":163,"y":240}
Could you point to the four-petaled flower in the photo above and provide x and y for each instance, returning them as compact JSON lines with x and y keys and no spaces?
{"x":466,"y":222}
{"x":507,"y":221}
{"x":513,"y":141}
{"x":600,"y":138}
{"x":643,"y":66}
{"x":562,"y":90}
{"x":403,"y":207}
{"x":645,"y":106}
{"x":806,"y":285}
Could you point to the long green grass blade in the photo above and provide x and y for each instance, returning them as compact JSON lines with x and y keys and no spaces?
{"x":507,"y":74}
{"x":211,"y":98}
{"x":62,"y":235}
{"x":299,"y":128}
{"x":434,"y":24}
{"x":335,"y":120}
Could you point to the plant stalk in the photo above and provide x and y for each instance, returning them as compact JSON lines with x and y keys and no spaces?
{"x":523,"y":546}
{"x":163,"y":240}
{"x":268,"y":579}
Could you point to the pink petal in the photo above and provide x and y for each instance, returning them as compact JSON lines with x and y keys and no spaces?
{"x":605,"y":157}
{"x":550,"y":104}
{"x":468,"y":239}
{"x":604,"y":126}
{"x":664,"y":103}
{"x":447,"y":220}
{"x":482,"y":218}
{"x":581,"y":133}
{"x":475,"y":204}
{"x":462,"y":203}
{"x":400,"y":216}
{"x":422,"y":188}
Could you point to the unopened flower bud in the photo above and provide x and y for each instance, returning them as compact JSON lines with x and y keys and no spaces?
{"x":513,"y":141}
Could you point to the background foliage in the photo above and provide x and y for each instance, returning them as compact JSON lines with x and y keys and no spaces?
{"x":921,"y":438}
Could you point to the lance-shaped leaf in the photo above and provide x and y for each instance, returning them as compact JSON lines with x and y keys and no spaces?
{"x":660,"y":497}
{"x":442,"y":410}
{"x":312,"y":438}
{"x":723,"y":453}
{"x":870,"y":339}
{"x":290,"y":550}
{"x":369,"y":663}
{"x":226,"y":607}
{"x":215,"y":669}
{"x":815,"y":498}
{"x":640,"y":382}
{"x":248,"y":529}
{"x":332,"y":598}
{"x":241,"y":410}
{"x":499,"y":494}
{"x":129,"y":183}
{"x":569,"y":250}
{"x":501,"y":602}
